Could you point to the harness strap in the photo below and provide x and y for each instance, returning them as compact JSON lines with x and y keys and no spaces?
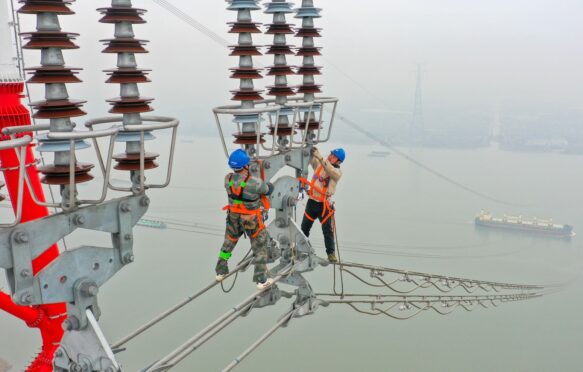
{"x":309,"y":217}
{"x":234,"y":240}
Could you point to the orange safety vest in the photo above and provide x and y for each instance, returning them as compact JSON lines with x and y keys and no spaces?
{"x":323,"y":193}
{"x":239,"y":203}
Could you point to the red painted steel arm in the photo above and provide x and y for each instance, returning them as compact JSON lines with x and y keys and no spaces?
{"x":47,"y":318}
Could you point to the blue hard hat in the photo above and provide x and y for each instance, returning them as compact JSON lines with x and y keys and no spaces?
{"x":238,"y":159}
{"x":340,"y":154}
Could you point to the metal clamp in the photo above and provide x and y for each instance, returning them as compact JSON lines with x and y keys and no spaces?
{"x":20,"y":144}
{"x":237,"y":110}
{"x":72,"y":202}
{"x":159,"y":123}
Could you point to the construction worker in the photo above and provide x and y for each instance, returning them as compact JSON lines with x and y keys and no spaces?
{"x":322,"y":187}
{"x":247,"y":200}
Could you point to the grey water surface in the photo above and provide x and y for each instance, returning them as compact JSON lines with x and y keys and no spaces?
{"x":402,"y":217}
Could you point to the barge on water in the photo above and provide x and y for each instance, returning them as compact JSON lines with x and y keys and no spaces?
{"x":534,"y":225}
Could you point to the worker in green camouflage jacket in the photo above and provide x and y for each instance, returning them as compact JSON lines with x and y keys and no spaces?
{"x":247,"y":201}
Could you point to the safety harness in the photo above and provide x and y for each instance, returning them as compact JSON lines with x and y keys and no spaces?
{"x":319,"y":194}
{"x":236,"y":194}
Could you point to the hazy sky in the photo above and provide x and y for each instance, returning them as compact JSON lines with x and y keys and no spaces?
{"x":522,"y":54}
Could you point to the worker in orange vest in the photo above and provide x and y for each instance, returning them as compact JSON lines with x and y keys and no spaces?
{"x":321,"y":188}
{"x":247,"y":202}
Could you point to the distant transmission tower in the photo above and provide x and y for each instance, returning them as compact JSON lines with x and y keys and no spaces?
{"x":416,"y":127}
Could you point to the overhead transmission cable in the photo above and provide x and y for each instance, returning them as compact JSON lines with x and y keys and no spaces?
{"x":117,"y":345}
{"x":192,"y":344}
{"x":221,"y":41}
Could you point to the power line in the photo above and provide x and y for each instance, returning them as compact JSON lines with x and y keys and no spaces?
{"x":221,"y":41}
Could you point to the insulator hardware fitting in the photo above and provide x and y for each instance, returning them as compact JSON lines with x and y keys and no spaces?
{"x":89,"y":289}
{"x":71,"y":323}
{"x":21,"y":237}
{"x":25,"y":273}
{"x":79,"y":220}
{"x":26,"y":298}
{"x":145,"y":201}
{"x":128,"y":258}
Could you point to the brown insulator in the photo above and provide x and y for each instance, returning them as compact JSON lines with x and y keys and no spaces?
{"x":246,"y":95}
{"x":280,"y":70}
{"x":280,"y":91}
{"x":245,"y":73}
{"x":59,"y":174}
{"x":122,"y":14}
{"x":308,"y":32}
{"x":124,"y":45}
{"x":127,"y":105}
{"x":244,"y":50}
{"x":280,"y":49}
{"x":248,"y":138}
{"x":309,"y":70}
{"x":309,"y":88}
{"x":127,"y":75}
{"x":282,"y":130}
{"x":131,"y":162}
{"x":45,"y":6}
{"x":49,"y":39}
{"x":280,"y":29}
{"x":53,"y":74}
{"x":308,"y":51}
{"x":244,"y":27}
{"x":313,"y":125}
{"x":58,"y":109}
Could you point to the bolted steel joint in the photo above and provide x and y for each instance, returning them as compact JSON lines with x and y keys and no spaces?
{"x":266,"y":164}
{"x":26,"y":298}
{"x":280,"y":222}
{"x":89,"y":289}
{"x":291,"y":202}
{"x":25,"y":273}
{"x":127,"y":237}
{"x":125,"y":207}
{"x":145,"y":201}
{"x":79,"y":220}
{"x":128,"y":258}
{"x":288,"y":157}
{"x":71,"y":323}
{"x":21,"y":237}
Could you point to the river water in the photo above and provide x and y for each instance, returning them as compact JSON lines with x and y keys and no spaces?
{"x":402,"y":217}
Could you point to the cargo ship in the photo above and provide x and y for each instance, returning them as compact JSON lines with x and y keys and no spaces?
{"x":534,"y":225}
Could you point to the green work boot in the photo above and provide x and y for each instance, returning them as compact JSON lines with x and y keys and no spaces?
{"x":332,"y":258}
{"x":222,"y":269}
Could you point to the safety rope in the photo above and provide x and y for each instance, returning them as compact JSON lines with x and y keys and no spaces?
{"x":236,"y":275}
{"x":339,"y":264}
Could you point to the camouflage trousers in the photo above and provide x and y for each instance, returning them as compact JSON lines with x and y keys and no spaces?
{"x":239,"y":224}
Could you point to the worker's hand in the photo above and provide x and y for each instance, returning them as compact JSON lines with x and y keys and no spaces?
{"x":316,"y":154}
